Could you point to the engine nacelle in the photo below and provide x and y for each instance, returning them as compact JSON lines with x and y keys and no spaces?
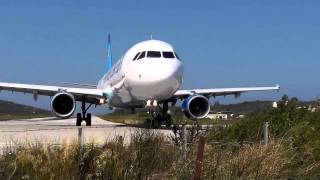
{"x":63,"y":105}
{"x":196,"y":107}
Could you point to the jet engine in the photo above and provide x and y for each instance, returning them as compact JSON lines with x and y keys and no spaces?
{"x":63,"y":104}
{"x":196,"y":107}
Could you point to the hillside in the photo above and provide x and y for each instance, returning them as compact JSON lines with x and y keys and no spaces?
{"x":246,"y":107}
{"x":254,"y":107}
{"x":10,"y":110}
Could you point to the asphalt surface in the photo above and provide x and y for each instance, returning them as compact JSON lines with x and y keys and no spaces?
{"x":14,"y":133}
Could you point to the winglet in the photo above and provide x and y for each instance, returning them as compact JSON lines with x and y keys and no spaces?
{"x":109,"y":48}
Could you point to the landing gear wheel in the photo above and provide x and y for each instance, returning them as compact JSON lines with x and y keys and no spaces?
{"x":154,"y":124}
{"x":147,"y":123}
{"x":88,"y":119}
{"x":79,"y":119}
{"x":168,"y":120}
{"x":157,"y":121}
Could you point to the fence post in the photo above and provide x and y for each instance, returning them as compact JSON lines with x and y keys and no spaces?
{"x":184,"y":132}
{"x":80,"y":136}
{"x":199,"y":161}
{"x":266,"y":133}
{"x":80,"y":143}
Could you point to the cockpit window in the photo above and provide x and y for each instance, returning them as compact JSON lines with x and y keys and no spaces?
{"x":175,"y":53}
{"x":142,"y":55}
{"x":167,"y":54}
{"x":153,"y":54}
{"x":136,"y":56}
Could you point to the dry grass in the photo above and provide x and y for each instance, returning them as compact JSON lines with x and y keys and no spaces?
{"x":249,"y":162}
{"x":252,"y":162}
{"x":148,"y":156}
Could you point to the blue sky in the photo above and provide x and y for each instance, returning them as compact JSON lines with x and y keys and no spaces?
{"x":222,"y":43}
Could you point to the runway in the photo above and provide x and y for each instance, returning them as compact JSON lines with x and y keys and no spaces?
{"x":51,"y":130}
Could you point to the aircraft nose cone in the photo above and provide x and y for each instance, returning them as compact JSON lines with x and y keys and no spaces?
{"x":166,"y":71}
{"x":156,"y":79}
{"x":166,"y":74}
{"x":167,"y":79}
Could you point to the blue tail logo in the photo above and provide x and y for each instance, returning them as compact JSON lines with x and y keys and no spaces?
{"x":109,"y":48}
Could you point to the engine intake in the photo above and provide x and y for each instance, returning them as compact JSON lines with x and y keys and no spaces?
{"x":63,"y":105}
{"x":196,"y":107}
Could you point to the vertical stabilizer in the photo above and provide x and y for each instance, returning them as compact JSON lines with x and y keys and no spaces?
{"x":109,"y":48}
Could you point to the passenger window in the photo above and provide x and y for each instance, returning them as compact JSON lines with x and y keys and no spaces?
{"x":167,"y":54}
{"x":135,"y":57}
{"x":153,"y":54}
{"x":175,"y":53}
{"x":142,"y":55}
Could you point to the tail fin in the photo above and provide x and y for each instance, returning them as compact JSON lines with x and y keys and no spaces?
{"x":109,"y":48}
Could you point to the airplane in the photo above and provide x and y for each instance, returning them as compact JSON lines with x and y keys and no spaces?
{"x":149,"y":75}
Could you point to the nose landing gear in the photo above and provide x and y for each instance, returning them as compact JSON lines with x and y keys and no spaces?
{"x":157,"y":118}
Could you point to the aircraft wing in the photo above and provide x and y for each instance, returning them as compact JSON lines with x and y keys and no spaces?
{"x":222,"y":91}
{"x":92,"y":95}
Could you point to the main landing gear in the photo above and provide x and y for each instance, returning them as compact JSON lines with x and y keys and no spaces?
{"x":84,"y":116}
{"x":157,"y":118}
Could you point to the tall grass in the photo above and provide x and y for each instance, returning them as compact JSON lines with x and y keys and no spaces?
{"x":251,"y":162}
{"x":248,"y":162}
{"x":147,"y":156}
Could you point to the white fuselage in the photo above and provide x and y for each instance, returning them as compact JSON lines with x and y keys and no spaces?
{"x":150,"y":70}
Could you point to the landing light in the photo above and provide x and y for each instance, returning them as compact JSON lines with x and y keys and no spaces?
{"x":150,"y":103}
{"x":155,"y":103}
{"x":102,"y":101}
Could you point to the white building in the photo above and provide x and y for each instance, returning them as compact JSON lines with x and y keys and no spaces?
{"x":219,"y":115}
{"x":275,"y":105}
{"x":224,"y":115}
